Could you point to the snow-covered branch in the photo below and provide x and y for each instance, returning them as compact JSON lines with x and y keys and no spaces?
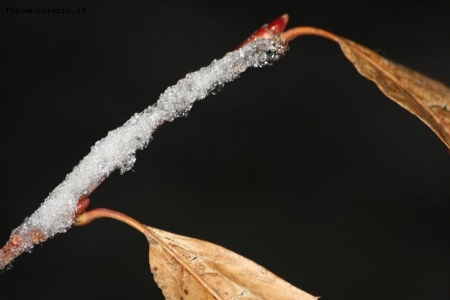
{"x":117,"y":150}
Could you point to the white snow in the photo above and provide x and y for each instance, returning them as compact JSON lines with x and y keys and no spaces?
{"x":117,"y":149}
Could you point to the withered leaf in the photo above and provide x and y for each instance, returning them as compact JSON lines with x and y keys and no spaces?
{"x":187,"y":268}
{"x":422,"y":96}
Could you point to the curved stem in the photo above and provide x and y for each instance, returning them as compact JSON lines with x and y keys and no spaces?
{"x":98,"y":213}
{"x":306,"y":30}
{"x":89,"y":216}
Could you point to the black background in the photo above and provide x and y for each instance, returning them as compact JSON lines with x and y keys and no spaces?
{"x":304,"y":167}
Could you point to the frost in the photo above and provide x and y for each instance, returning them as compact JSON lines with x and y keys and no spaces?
{"x":117,"y":149}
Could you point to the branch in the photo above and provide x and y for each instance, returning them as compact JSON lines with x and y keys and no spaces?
{"x":117,"y":150}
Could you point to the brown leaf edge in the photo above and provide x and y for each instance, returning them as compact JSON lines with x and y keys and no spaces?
{"x":186,"y":268}
{"x":422,"y":96}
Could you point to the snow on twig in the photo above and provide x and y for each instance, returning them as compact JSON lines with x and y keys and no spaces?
{"x":117,"y":150}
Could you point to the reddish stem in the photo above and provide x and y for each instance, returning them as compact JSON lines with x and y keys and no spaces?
{"x":89,"y":216}
{"x":16,"y":246}
{"x":293,"y":33}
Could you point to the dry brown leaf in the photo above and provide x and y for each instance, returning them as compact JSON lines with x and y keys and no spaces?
{"x":190,"y":269}
{"x":187,"y":268}
{"x":422,"y":96}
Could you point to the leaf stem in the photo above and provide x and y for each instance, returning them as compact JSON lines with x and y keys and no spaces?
{"x":293,"y":33}
{"x":89,"y":216}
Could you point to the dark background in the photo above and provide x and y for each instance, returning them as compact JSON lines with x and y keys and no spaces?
{"x":303,"y":167}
